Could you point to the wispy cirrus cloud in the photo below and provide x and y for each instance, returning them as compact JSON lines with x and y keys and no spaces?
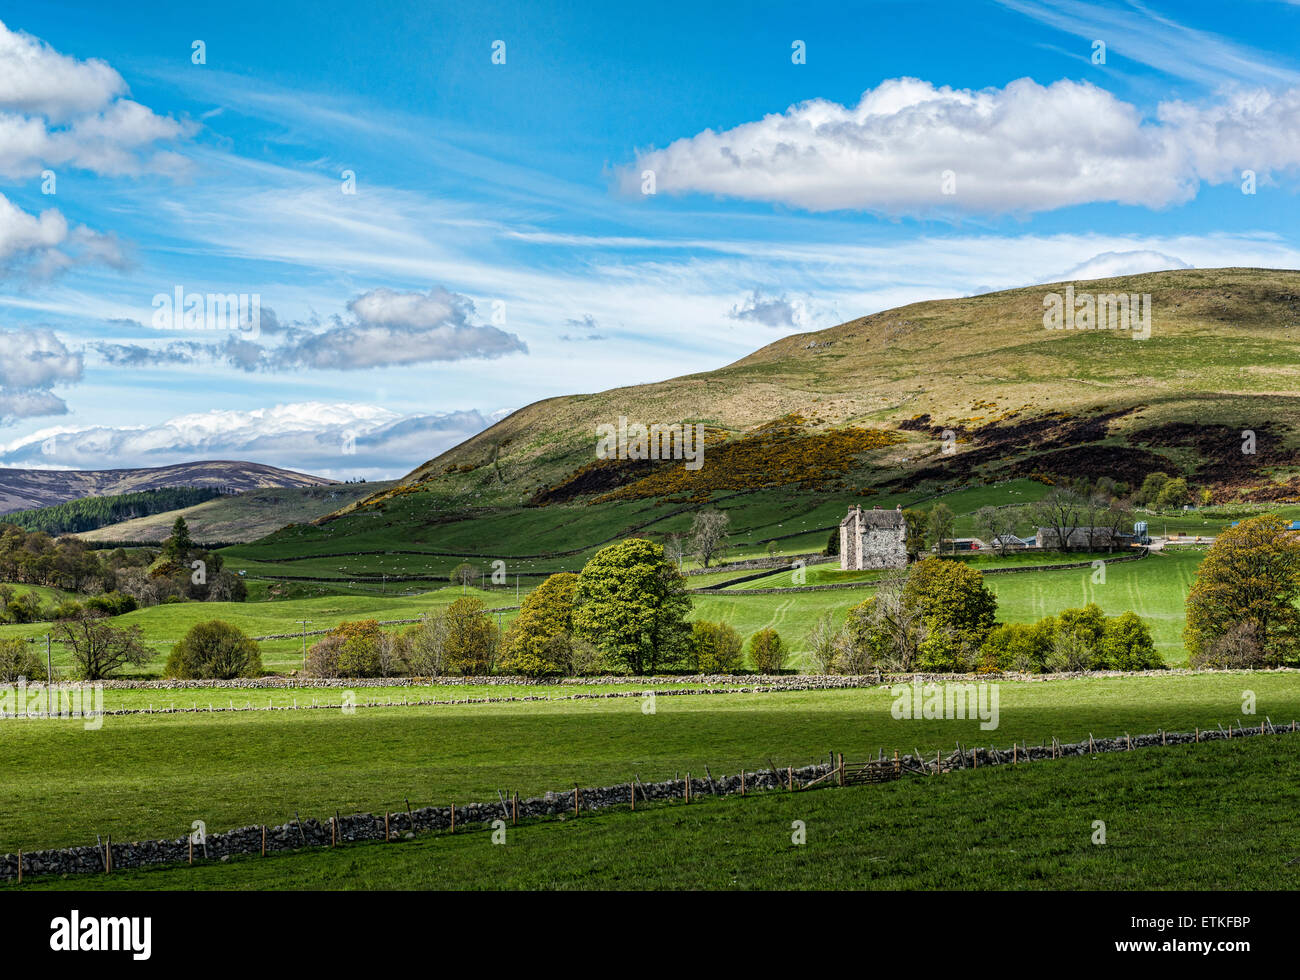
{"x":1138,"y":32}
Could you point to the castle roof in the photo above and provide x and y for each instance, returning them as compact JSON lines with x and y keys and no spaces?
{"x":878,"y":517}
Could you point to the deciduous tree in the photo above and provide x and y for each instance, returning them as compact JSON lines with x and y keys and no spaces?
{"x":99,"y":650}
{"x":631,"y":604}
{"x":1250,"y":574}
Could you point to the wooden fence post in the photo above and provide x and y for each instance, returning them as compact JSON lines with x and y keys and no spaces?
{"x":1015,"y":757}
{"x":1090,"y":746}
{"x":386,"y":837}
{"x":110,"y":854}
{"x":1198,"y":735}
{"x":938,"y":762}
{"x":334,"y":835}
{"x":742,"y":780}
{"x":841,"y":768}
{"x":898,"y":766}
{"x":575,"y":799}
{"x":790,"y":779}
{"x":453,"y":818}
{"x":514,"y":807}
{"x":1128,"y":740}
{"x":20,"y":865}
{"x":264,"y":836}
{"x":632,"y":792}
{"x":191,"y":840}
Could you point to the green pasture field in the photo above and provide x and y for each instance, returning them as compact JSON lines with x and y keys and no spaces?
{"x":47,"y":594}
{"x":1022,"y":828}
{"x":147,"y":776}
{"x":533,"y":541}
{"x":1154,"y":587}
{"x":559,"y":537}
{"x":163,"y":625}
{"x":830,"y":573}
{"x":229,"y":696}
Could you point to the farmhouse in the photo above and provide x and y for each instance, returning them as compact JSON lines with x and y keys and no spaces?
{"x":1082,"y":537}
{"x":873,"y":539}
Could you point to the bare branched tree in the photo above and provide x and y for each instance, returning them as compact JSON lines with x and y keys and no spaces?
{"x":996,"y":524}
{"x":99,"y":649}
{"x":709,"y":535}
{"x":1059,"y":513}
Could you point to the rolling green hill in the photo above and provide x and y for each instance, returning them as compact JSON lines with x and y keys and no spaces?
{"x":1019,"y":398}
{"x":245,"y":517}
{"x":805,"y":426}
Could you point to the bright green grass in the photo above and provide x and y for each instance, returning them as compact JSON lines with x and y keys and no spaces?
{"x":830,"y":573}
{"x":151,"y":776}
{"x":47,"y":594}
{"x":1169,"y":825}
{"x":1154,"y":587}
{"x":228,"y":696}
{"x":561,"y":537}
{"x":164,"y":625}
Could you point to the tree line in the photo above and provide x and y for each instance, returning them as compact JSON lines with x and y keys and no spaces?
{"x":112,"y":581}
{"x":89,"y":513}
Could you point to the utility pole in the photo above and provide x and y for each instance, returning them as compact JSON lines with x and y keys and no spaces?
{"x":304,"y":623}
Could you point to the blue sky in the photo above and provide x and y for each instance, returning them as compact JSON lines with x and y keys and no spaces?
{"x":499,"y":247}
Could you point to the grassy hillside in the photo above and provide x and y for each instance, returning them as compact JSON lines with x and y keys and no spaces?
{"x":245,"y":517}
{"x":1020,"y":399}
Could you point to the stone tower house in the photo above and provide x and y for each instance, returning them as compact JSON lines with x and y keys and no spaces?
{"x":873,"y":539}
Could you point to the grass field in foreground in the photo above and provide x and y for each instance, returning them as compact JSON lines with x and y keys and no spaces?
{"x":151,"y":776}
{"x":1222,"y":816}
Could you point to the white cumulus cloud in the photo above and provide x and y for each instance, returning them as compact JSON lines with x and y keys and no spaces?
{"x":56,"y":110}
{"x":1022,"y":148}
{"x":32,"y":361}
